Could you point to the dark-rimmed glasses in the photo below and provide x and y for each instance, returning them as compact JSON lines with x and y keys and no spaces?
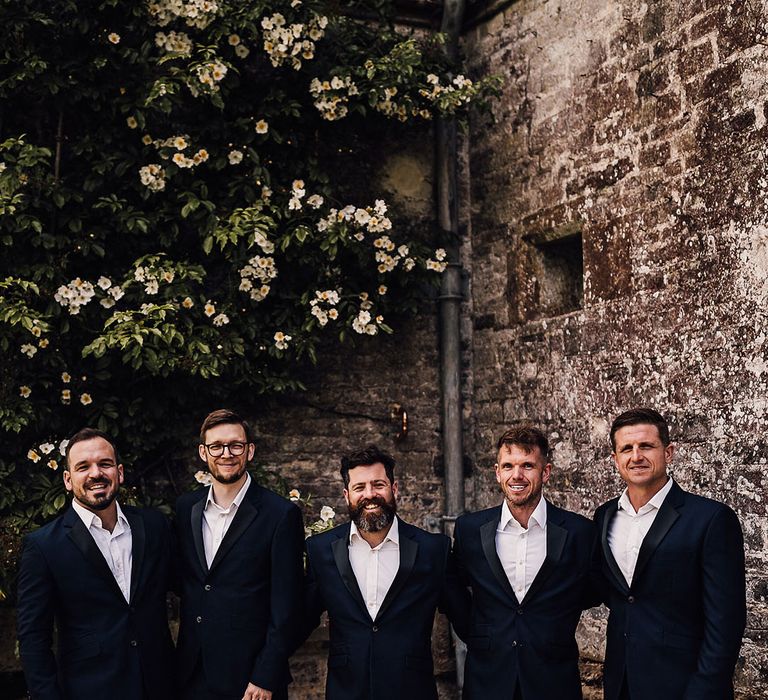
{"x":216,"y":449}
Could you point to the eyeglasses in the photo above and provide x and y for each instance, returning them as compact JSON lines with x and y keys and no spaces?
{"x":216,"y":449}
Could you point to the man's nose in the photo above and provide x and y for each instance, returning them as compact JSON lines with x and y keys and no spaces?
{"x":636,"y":454}
{"x":518,"y":473}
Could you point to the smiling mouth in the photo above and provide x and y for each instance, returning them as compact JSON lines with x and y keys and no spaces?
{"x":519,"y":487}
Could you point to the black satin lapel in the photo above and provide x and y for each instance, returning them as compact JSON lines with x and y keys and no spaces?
{"x":610,"y":513}
{"x":340,"y":549}
{"x":556,"y":537}
{"x":408,"y":550}
{"x":664,"y":520}
{"x":488,"y":540}
{"x":197,"y":532}
{"x":84,"y":542}
{"x":138,"y":545}
{"x":246,"y":512}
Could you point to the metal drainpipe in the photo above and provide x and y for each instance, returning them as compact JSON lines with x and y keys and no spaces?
{"x":446,"y":157}
{"x":451,"y":288}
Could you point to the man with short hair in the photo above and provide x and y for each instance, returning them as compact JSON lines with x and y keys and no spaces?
{"x":673,"y":563}
{"x":101,"y":571}
{"x":529,"y":565}
{"x":381,"y":580}
{"x":241,"y":549}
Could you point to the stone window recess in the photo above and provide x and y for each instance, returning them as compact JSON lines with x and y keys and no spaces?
{"x":558,"y":269}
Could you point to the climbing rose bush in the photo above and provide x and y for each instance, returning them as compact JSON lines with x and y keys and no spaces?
{"x":173,"y":230}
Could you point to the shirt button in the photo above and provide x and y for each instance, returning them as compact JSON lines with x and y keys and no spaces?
{"x":198,"y":619}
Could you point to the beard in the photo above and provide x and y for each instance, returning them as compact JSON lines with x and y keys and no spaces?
{"x":229,"y":478}
{"x":369,"y":521}
{"x":100,"y":501}
{"x":226,"y":478}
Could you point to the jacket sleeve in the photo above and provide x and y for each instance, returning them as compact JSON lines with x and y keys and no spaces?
{"x":455,"y":600}
{"x":270,"y":670}
{"x":35,"y":615}
{"x":314,"y":604}
{"x":458,"y":594}
{"x":594,"y":591}
{"x":723,"y":607}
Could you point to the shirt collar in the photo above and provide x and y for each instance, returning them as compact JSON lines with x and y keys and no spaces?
{"x":538,"y":517}
{"x":655,"y":502}
{"x":393,"y":535}
{"x":238,"y":499}
{"x":90,"y":518}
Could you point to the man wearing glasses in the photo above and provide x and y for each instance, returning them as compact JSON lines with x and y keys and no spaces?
{"x":241,"y":573}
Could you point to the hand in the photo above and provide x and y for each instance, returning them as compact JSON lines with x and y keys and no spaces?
{"x":253,"y":692}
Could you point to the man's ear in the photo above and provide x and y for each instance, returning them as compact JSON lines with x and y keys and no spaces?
{"x":251,"y":451}
{"x":346,"y":496}
{"x":67,"y":477}
{"x":201,"y":452}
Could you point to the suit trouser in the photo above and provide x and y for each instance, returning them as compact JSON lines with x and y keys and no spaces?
{"x":624,"y":693}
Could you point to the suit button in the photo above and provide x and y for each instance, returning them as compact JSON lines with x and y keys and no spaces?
{"x":514,"y":643}
{"x":375,"y":628}
{"x":207,"y":586}
{"x":631,"y":599}
{"x":519,"y":611}
{"x":134,"y":643}
{"x":198,"y":619}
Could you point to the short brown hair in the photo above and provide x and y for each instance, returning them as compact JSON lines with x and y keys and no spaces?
{"x":223,"y":416}
{"x":368,"y":455}
{"x":527,"y":437}
{"x":641,"y":416}
{"x":88,"y":434}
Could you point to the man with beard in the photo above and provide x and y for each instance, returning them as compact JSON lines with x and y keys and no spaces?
{"x":529,"y":565}
{"x":381,"y":580}
{"x":101,"y":570}
{"x":240,"y":574}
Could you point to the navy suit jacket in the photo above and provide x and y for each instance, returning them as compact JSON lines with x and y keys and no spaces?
{"x":238,"y":618}
{"x":390,"y":656}
{"x":530,"y":642}
{"x":106,"y":646}
{"x":677,"y":630}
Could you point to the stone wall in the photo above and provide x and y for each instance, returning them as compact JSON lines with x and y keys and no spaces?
{"x":636,"y":133}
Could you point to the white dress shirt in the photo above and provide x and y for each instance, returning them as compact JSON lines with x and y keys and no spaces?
{"x":629,"y":528}
{"x":374,"y":567}
{"x":116,"y":547}
{"x":522,"y":550}
{"x":216,"y":520}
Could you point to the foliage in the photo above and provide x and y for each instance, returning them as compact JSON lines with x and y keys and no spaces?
{"x":172,"y":237}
